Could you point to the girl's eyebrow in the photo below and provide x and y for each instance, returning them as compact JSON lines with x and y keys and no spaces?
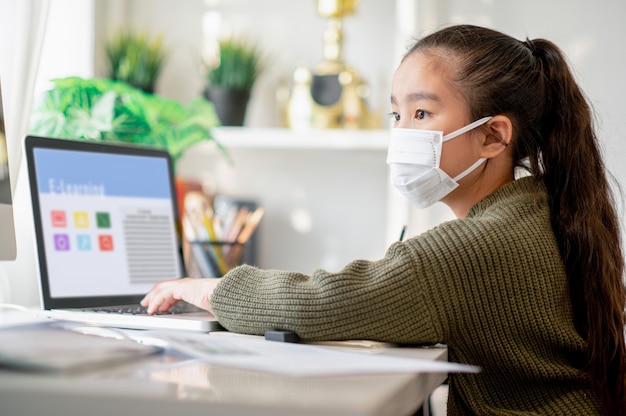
{"x":418,"y":96}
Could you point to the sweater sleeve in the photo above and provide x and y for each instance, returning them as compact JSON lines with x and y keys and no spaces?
{"x":365,"y":300}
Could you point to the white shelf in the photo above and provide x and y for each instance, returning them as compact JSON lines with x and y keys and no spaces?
{"x":277,"y":138}
{"x":313,"y":184}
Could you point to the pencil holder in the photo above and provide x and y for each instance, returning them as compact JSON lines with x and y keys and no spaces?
{"x":213,"y":258}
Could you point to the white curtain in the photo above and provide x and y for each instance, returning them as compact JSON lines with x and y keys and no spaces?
{"x":22,"y":29}
{"x":23,"y":23}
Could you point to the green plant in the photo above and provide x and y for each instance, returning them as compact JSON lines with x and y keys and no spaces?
{"x":135,"y":59}
{"x":102,"y":109}
{"x":238,"y":65}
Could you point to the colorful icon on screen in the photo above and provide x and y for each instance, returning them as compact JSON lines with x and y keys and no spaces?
{"x":83,"y":241}
{"x":103,"y":219}
{"x":105,"y":241}
{"x":61,"y":242}
{"x":81,"y":219}
{"x":58,"y":218}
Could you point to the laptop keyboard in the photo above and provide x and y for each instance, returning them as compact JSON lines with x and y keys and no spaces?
{"x":180,"y":307}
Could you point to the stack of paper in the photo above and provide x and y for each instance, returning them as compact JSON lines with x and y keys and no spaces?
{"x":296,"y":360}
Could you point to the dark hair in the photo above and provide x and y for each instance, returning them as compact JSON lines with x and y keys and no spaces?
{"x":553,"y":136}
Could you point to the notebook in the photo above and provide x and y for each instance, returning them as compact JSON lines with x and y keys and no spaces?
{"x":106,"y":231}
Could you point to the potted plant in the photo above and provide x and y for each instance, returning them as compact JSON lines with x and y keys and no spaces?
{"x":113,"y":111}
{"x":135,"y":59}
{"x":231,"y":77}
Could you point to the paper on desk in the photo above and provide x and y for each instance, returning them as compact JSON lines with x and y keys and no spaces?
{"x":294,"y":359}
{"x":53,"y":347}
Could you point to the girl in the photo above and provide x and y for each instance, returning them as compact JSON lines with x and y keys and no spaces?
{"x":527,"y":283}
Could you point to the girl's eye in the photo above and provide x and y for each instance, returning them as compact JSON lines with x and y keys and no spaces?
{"x":395,"y":116}
{"x":420,"y":114}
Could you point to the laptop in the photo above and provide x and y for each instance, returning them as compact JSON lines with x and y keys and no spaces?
{"x":106,"y":232}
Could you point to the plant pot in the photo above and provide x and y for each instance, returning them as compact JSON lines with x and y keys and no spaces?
{"x":230,"y":105}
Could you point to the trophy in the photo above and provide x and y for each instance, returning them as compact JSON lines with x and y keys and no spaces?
{"x":333,"y":95}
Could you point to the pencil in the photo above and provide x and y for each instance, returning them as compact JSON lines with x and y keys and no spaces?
{"x":208,"y":223}
{"x":402,"y":233}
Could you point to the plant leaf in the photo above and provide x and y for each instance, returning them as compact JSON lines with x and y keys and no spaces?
{"x":101,"y":109}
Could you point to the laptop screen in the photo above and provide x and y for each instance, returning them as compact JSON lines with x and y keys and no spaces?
{"x":105,"y":220}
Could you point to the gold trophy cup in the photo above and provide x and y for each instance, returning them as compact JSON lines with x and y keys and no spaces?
{"x":333,"y":95}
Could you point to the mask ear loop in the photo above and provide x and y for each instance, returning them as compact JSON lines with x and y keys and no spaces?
{"x":460,"y":131}
{"x":467,"y":128}
{"x":478,"y":162}
{"x":469,"y":170}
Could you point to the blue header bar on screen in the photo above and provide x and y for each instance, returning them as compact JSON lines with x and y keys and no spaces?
{"x":67,"y":172}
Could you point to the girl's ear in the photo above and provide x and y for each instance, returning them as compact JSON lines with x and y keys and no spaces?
{"x":497,"y":136}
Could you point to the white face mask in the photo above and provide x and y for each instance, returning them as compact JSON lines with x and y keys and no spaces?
{"x":414,"y":157}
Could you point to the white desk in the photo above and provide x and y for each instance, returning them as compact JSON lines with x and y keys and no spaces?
{"x":168,"y":386}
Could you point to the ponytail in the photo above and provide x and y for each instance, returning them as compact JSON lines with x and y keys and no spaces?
{"x":554,"y":138}
{"x":585,"y":222}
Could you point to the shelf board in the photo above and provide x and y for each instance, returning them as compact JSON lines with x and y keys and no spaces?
{"x":280,"y":138}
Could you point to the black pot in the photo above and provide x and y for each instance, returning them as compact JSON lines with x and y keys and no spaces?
{"x":229,"y":104}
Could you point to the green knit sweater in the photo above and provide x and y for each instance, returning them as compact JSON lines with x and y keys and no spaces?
{"x":491,"y":286}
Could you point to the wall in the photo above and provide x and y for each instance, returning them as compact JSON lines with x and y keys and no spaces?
{"x":323,"y":207}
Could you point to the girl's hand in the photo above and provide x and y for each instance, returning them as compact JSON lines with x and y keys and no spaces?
{"x":166,"y":294}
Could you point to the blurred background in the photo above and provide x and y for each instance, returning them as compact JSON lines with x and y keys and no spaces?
{"x":325,"y":190}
